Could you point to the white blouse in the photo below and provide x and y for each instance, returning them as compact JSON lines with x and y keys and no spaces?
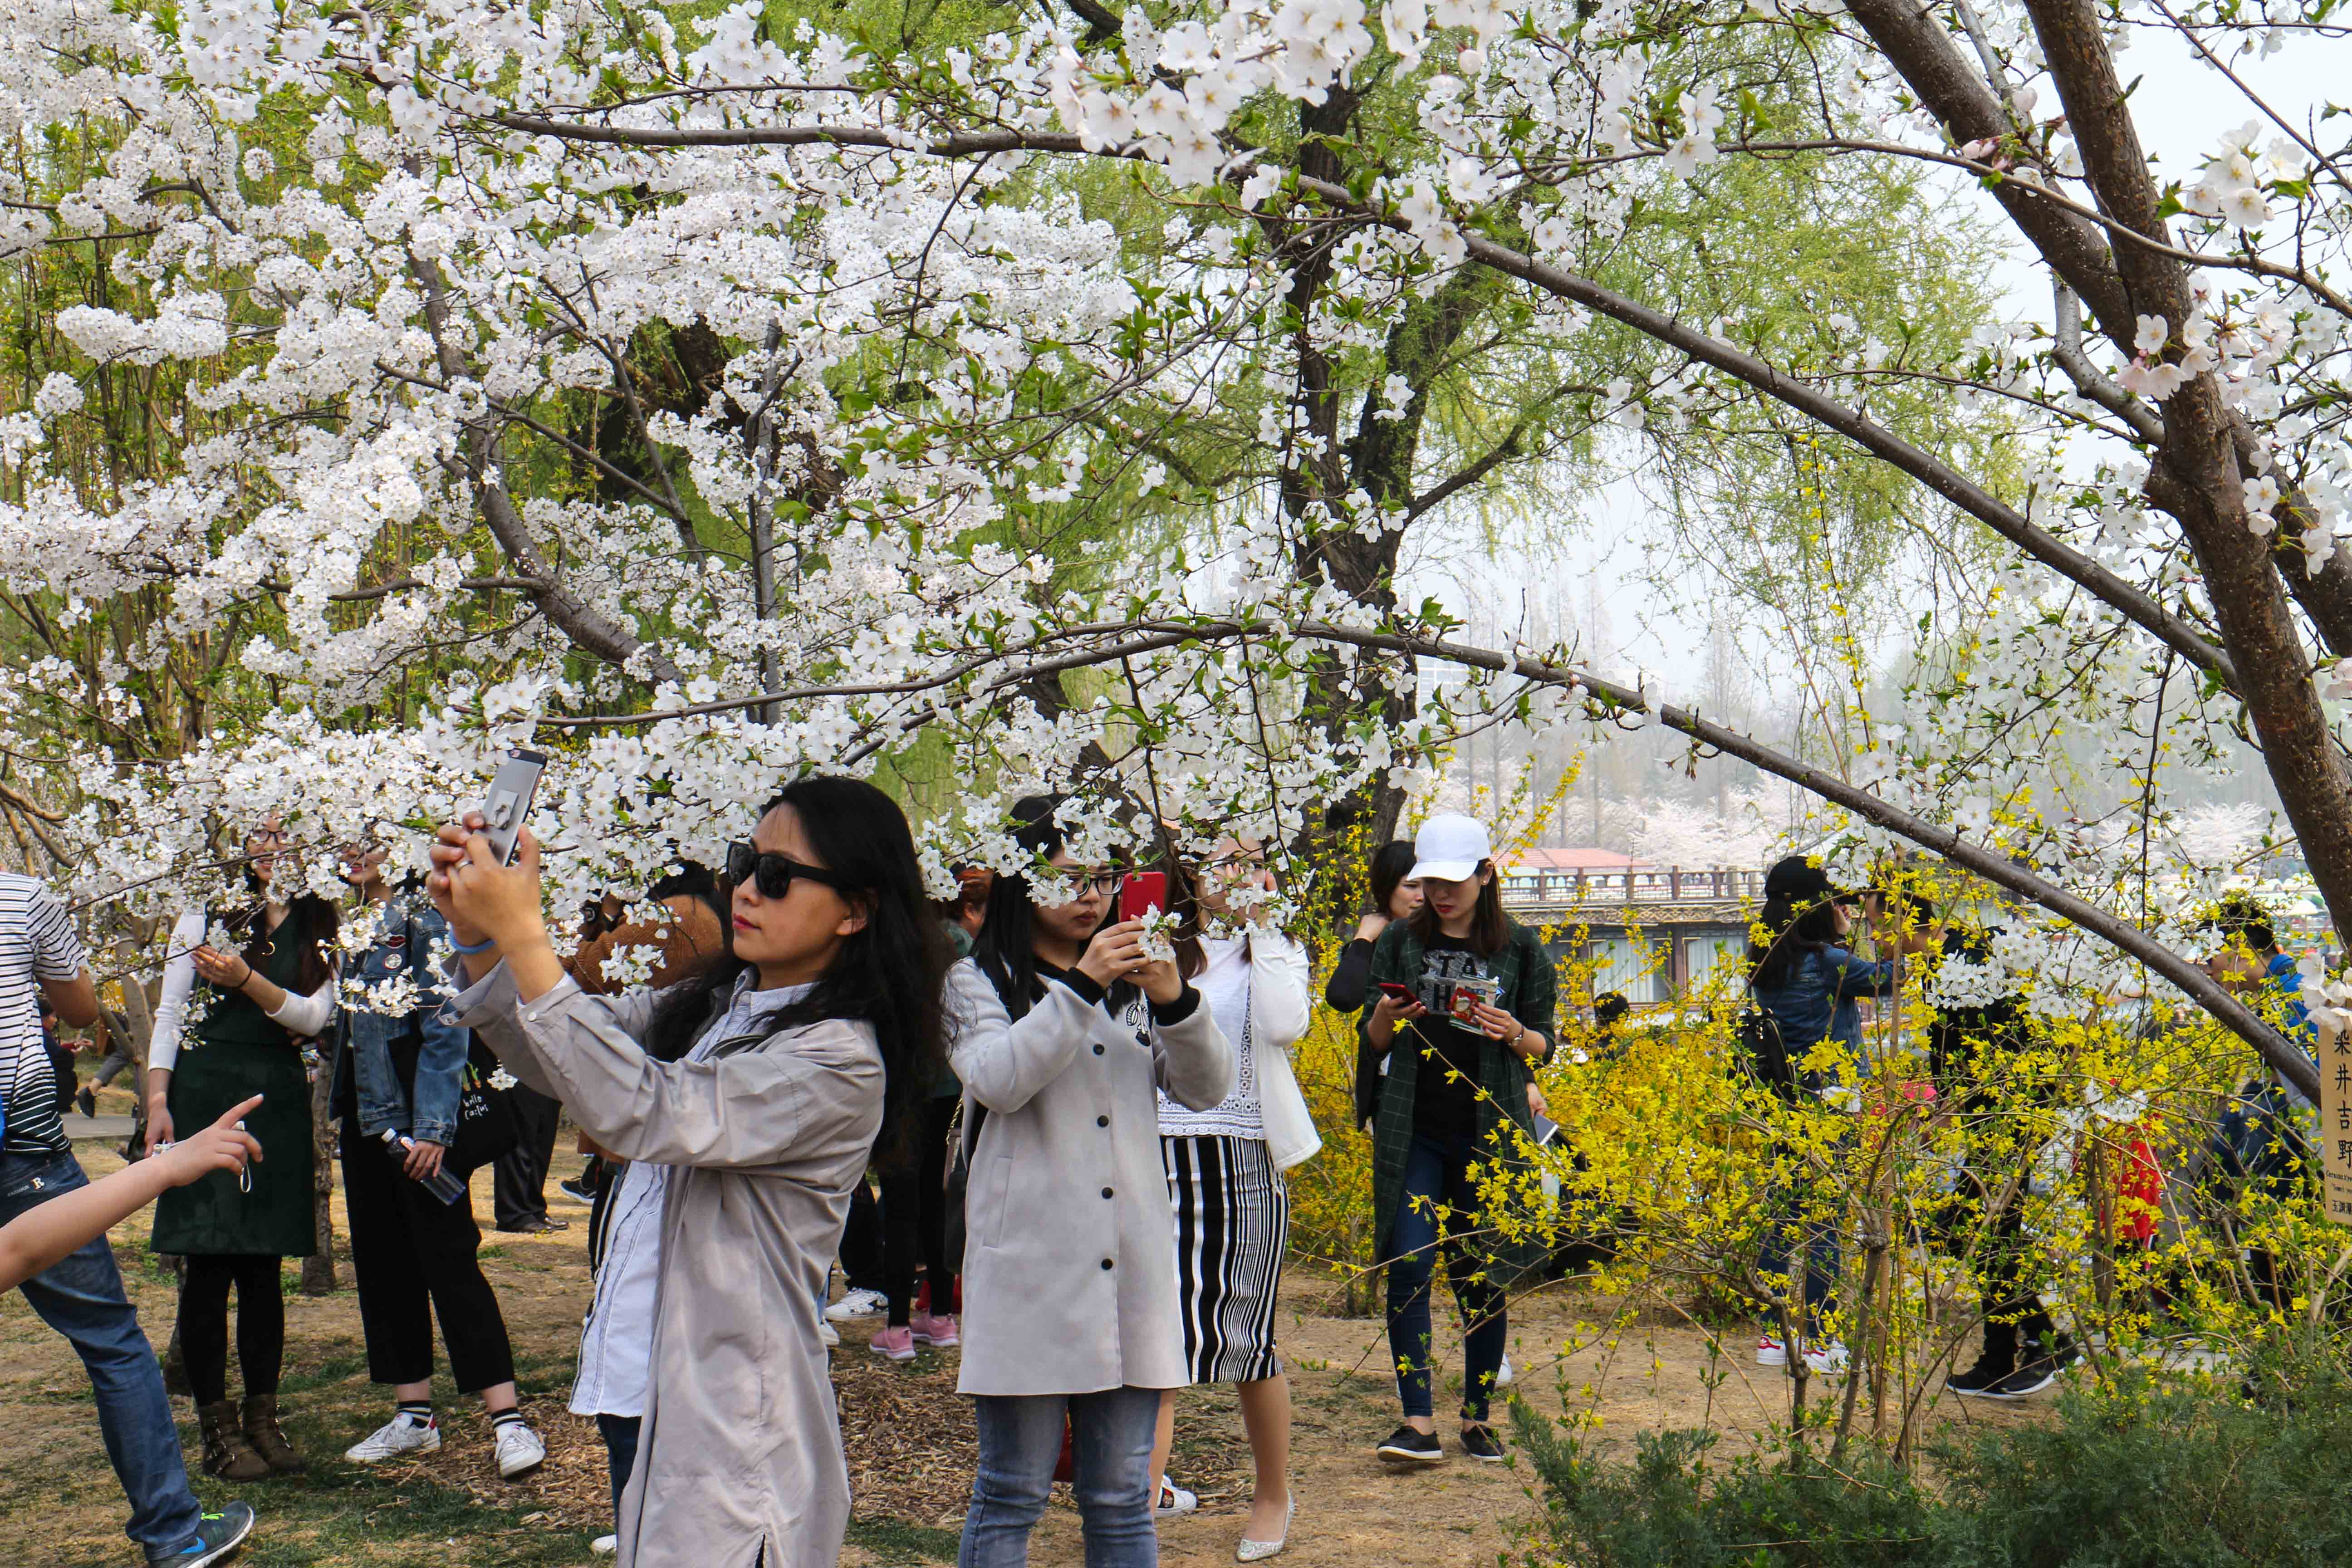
{"x":1256,"y":990}
{"x":616,"y":1341}
{"x":300,"y":1015}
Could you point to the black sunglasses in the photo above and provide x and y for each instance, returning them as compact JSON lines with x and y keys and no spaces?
{"x":774,"y":874}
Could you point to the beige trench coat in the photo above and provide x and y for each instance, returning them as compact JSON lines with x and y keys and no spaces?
{"x":740,"y":1448}
{"x":1069,"y":1269}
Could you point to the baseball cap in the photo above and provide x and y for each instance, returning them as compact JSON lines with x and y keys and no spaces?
{"x":1449,"y":849}
{"x":1798,"y":880}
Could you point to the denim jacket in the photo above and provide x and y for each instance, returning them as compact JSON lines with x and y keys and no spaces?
{"x":1817,"y":1003}
{"x":409,"y":932}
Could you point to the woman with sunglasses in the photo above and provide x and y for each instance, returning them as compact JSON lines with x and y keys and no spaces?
{"x":1063,"y":1029}
{"x":269,"y":988}
{"x":753,"y":1093}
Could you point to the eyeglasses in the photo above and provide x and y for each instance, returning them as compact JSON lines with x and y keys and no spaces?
{"x":774,"y":874}
{"x":1082,"y":883}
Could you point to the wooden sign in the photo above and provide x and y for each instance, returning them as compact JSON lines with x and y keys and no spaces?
{"x":2336,"y":1121}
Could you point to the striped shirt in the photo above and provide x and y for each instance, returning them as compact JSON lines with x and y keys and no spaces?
{"x":37,"y":943}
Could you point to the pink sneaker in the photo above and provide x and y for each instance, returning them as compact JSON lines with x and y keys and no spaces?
{"x":940,"y":1332}
{"x":895,"y":1344}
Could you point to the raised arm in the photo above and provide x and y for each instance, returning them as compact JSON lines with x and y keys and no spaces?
{"x":1350,"y":977}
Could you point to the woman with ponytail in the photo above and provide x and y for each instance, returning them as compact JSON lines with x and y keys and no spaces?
{"x":757,"y":1089}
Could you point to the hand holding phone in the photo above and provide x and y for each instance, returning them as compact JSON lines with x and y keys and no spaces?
{"x":1143,"y":893}
{"x":506,"y":805}
{"x":1398,"y":1003}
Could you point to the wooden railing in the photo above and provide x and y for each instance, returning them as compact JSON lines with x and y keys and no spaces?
{"x":1668,"y":884}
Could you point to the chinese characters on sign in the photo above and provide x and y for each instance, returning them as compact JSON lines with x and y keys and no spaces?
{"x":2336,"y":1121}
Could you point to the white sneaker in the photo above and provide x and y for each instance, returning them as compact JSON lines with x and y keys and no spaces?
{"x":858,"y":1303}
{"x":1504,"y":1375}
{"x":395,"y":1439}
{"x":605,"y":1545}
{"x":1826,"y":1359}
{"x":520,"y":1451}
{"x":1174,"y":1499}
{"x":828,"y":1335}
{"x":1770,"y":1352}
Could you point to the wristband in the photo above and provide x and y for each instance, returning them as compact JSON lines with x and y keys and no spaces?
{"x":482,"y":946}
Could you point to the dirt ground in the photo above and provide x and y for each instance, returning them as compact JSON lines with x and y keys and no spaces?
{"x":909,"y":1437}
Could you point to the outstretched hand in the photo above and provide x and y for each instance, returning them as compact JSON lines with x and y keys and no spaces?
{"x":225,"y":1145}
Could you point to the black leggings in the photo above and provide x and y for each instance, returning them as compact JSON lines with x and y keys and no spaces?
{"x":915,"y":1214}
{"x":203,"y":1324}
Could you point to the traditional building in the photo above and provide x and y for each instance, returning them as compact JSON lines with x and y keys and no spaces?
{"x":1649,"y":932}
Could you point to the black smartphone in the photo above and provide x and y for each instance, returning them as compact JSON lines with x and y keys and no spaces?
{"x":506,"y":805}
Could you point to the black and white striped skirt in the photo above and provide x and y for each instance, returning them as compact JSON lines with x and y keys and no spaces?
{"x":1233,"y":1226}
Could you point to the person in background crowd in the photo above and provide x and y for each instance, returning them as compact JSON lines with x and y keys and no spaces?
{"x":61,"y":1059}
{"x":914,"y":1186}
{"x":1473,"y":1003}
{"x":401,"y":1071}
{"x":1806,"y":980}
{"x":1225,"y":1181}
{"x":688,"y":933}
{"x":257,"y":1007}
{"x":1975,"y":1053}
{"x":80,"y":1294}
{"x":115,"y":1058}
{"x":1070,"y":1304}
{"x":1609,"y":1010}
{"x":518,"y":1176}
{"x":753,"y":1094}
{"x":616,"y":1359}
{"x":1395,"y":897}
{"x":2264,"y":1137}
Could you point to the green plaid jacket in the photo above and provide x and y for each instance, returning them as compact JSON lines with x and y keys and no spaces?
{"x":1527,"y":989}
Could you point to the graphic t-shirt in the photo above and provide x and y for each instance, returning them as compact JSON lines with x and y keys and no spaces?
{"x":1446,"y":1094}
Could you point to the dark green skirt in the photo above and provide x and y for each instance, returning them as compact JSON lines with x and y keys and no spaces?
{"x":214,"y":1215}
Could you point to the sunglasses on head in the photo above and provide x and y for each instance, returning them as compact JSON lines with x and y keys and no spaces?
{"x":774,"y":874}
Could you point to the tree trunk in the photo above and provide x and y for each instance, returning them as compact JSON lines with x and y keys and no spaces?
{"x":319,"y":1269}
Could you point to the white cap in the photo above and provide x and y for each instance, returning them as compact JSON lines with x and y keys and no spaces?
{"x":1449,"y":849}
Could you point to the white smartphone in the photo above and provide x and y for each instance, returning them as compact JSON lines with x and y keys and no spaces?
{"x":507,"y":805}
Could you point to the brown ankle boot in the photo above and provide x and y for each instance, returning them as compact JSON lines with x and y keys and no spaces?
{"x":268,"y":1438}
{"x":226,"y":1453}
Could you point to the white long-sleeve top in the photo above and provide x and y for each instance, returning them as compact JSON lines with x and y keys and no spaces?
{"x":300,"y":1015}
{"x":1256,"y":989}
{"x":616,"y":1342}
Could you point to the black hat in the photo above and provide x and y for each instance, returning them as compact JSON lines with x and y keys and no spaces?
{"x":1798,"y":880}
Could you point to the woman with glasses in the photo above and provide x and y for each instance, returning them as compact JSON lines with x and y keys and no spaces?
{"x":267,"y":988}
{"x":753,"y":1092}
{"x":1065,"y":1028}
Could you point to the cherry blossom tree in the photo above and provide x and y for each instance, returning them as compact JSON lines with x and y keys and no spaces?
{"x":1053,"y":398}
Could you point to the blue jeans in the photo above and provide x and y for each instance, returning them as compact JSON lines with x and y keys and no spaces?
{"x":82,"y":1299}
{"x":1021,"y":1439}
{"x":1438,"y":1205}
{"x":620,"y":1435}
{"x":1792,"y":1225}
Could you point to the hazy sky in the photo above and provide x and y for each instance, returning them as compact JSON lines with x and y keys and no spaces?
{"x":2182,"y":119}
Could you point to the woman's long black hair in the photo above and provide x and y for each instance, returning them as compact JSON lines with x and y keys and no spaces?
{"x":1795,"y":930}
{"x":889,"y":972}
{"x":1002,"y":948}
{"x":1391,"y":861}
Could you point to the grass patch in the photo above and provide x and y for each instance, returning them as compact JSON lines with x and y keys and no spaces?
{"x":896,"y":1541}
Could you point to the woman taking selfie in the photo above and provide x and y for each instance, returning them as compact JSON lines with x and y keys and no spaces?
{"x":1466,"y":998}
{"x":1063,"y":1029}
{"x":755,"y":1092}
{"x":1395,"y":897}
{"x":1225,"y":1180}
{"x":239,"y":1034}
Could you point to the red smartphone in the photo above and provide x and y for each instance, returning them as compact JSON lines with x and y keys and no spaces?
{"x":1144,"y":893}
{"x":1391,"y":989}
